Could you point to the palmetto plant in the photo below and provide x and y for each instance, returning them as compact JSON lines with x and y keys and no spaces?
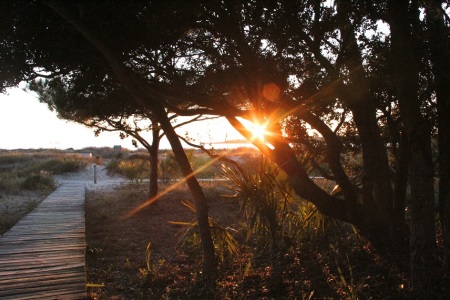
{"x":264,"y":197}
{"x":268,"y":205}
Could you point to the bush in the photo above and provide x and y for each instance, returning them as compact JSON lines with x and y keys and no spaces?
{"x":98,"y":160}
{"x":60,"y":166}
{"x":168,"y":167}
{"x":113,"y":167}
{"x":132,"y":168}
{"x":10,"y":184}
{"x":39,"y":182}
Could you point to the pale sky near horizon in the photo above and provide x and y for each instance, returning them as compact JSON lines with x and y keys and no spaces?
{"x":26,"y":123}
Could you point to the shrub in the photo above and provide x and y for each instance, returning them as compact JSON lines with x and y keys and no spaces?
{"x":113,"y":167}
{"x":39,"y":182}
{"x":168,"y":166}
{"x":10,"y":184}
{"x":98,"y":160}
{"x":60,"y":166}
{"x":132,"y":169}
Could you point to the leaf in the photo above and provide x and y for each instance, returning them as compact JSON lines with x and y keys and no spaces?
{"x":148,"y":255}
{"x":189,"y":205}
{"x":183,"y":223}
{"x":95,"y":285}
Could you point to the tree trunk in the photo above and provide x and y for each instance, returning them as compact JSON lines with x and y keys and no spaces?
{"x":439,"y":50}
{"x":404,"y":59}
{"x":153,"y":186}
{"x":356,"y":95}
{"x":201,"y":205}
{"x":400,"y":231}
{"x":423,"y":237}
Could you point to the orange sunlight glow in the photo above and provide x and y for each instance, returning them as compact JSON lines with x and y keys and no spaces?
{"x":259,"y":131}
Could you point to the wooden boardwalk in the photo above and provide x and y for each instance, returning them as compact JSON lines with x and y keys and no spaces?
{"x":43,"y":255}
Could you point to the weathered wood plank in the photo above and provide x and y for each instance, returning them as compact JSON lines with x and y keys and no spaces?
{"x":47,"y":255}
{"x":16,"y":278}
{"x":42,"y":256}
{"x":16,"y":293}
{"x":49,"y":270}
{"x":47,"y":281}
{"x":66,"y":294}
{"x":41,"y":264}
{"x":42,"y":249}
{"x":37,"y":236}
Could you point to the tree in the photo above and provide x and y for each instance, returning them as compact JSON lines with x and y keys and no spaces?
{"x":90,"y":103}
{"x":285,"y":64}
{"x":438,"y":35}
{"x":102,"y":110}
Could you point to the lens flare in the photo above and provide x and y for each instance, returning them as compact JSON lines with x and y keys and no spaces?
{"x":259,"y":131}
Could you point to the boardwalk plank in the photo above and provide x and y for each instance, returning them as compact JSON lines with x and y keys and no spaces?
{"x":12,"y":250}
{"x":66,"y":294}
{"x":41,"y":264}
{"x":49,"y":270}
{"x":36,"y":276}
{"x":48,"y":281}
{"x":43,"y":255}
{"x":16,"y":293}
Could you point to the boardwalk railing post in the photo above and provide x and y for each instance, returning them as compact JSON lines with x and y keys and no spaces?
{"x":95,"y":173}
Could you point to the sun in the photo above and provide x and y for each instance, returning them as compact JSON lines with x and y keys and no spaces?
{"x":259,"y":131}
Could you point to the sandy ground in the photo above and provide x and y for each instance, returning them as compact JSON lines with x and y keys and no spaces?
{"x":94,"y":178}
{"x":11,"y":204}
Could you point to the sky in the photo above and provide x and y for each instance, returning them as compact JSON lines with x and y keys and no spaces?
{"x":28,"y":124}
